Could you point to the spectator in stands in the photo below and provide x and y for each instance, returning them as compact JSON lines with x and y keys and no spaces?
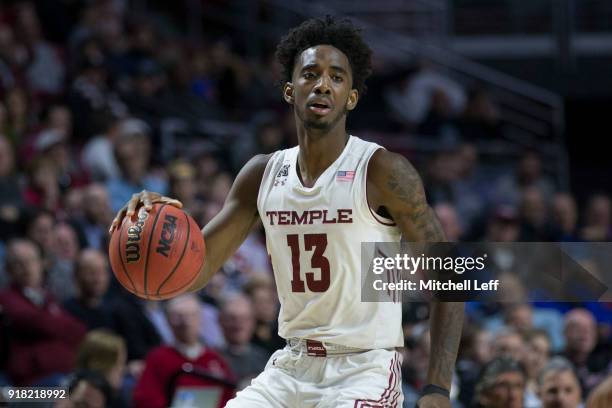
{"x":86,"y":389}
{"x":442,"y":173}
{"x":449,"y":221}
{"x":133,"y":153}
{"x":98,"y":155}
{"x":187,"y":362}
{"x":262,"y":293}
{"x":53,"y":144}
{"x":58,"y":117}
{"x":237,"y":320}
{"x":269,"y":137}
{"x":132,"y":321}
{"x":503,"y":226}
{"x":412,"y":102}
{"x":580,"y":341}
{"x":249,"y":260}
{"x":11,"y":202}
{"x":597,"y":219}
{"x":231,"y":73}
{"x":105,"y":353}
{"x":92,"y":279}
{"x":522,"y":316}
{"x":528,"y":173}
{"x":601,"y":397}
{"x":558,"y":385}
{"x":580,"y":335}
{"x":471,"y":186}
{"x":43,"y":187}
{"x":220,"y":187}
{"x":202,"y":83}
{"x":508,"y":343}
{"x":481,"y":119}
{"x":40,"y":229}
{"x":519,"y":316}
{"x":11,"y":58}
{"x":18,"y":115}
{"x":501,"y":385}
{"x":565,"y":216}
{"x":536,"y":356}
{"x":534,"y":217}
{"x":72,"y":208}
{"x":439,"y":123}
{"x":147,"y":98}
{"x":97,"y":214}
{"x":91,"y":96}
{"x":207,"y":166}
{"x":475,"y":352}
{"x":45,"y":73}
{"x":43,"y":335}
{"x":183,"y":187}
{"x":60,"y":273}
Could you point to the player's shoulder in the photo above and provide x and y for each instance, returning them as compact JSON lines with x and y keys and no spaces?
{"x":385,"y":164}
{"x":260,"y":160}
{"x":255,"y":167}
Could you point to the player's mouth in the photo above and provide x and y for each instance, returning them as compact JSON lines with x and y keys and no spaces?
{"x":321,"y":108}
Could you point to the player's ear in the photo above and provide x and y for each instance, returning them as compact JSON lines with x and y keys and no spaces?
{"x":353,"y":98}
{"x":288,"y":93}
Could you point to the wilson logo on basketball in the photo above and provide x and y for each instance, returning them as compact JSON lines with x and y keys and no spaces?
{"x":167,"y":235}
{"x":132,"y":246}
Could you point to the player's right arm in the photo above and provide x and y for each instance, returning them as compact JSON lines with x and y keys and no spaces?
{"x":229,"y":228}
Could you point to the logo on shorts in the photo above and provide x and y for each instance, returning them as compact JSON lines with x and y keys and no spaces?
{"x":315,"y":348}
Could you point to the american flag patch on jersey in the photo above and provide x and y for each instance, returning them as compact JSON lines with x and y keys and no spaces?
{"x":344,"y":175}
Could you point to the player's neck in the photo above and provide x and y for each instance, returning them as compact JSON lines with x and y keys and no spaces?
{"x":318,"y":151}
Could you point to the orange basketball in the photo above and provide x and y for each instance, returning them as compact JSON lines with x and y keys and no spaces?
{"x":157,"y":254}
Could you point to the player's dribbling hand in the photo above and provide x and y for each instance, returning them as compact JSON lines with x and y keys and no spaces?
{"x":147,"y":199}
{"x":433,"y":401}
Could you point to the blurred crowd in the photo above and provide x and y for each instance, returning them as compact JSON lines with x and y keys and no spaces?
{"x":97,"y":104}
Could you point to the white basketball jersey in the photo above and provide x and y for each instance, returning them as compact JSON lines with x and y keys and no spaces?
{"x":314,"y":237}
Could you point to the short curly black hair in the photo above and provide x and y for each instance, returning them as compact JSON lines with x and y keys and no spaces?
{"x":339,"y":33}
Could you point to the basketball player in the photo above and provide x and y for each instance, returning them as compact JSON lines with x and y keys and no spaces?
{"x":318,"y":201}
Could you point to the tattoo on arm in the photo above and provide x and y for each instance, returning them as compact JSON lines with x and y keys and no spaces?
{"x":404,"y":182}
{"x":421,"y":225}
{"x":446,"y":322}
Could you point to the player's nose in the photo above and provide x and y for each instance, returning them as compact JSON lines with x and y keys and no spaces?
{"x":322,"y":86}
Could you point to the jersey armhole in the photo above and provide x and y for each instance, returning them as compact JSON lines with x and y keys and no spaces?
{"x":378,"y":218}
{"x":264,"y":178}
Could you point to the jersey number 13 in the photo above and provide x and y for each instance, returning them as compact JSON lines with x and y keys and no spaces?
{"x":318,"y":260}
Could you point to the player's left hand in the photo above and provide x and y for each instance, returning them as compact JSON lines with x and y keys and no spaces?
{"x":433,"y":401}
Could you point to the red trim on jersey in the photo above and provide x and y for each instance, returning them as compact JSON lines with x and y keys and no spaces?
{"x":390,"y":395}
{"x":381,"y":220}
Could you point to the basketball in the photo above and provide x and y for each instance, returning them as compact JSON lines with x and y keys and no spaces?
{"x":157,"y":254}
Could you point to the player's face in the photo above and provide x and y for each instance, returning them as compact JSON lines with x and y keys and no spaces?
{"x":321,"y":91}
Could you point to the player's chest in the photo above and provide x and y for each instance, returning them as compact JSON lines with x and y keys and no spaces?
{"x":292,"y":206}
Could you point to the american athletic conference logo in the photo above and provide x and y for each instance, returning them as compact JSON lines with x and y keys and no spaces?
{"x":281,"y":176}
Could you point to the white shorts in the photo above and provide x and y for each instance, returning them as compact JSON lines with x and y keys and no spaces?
{"x":369,"y":379}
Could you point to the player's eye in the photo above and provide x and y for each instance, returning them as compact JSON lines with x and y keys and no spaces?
{"x":309,"y":75}
{"x":337,"y":78}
